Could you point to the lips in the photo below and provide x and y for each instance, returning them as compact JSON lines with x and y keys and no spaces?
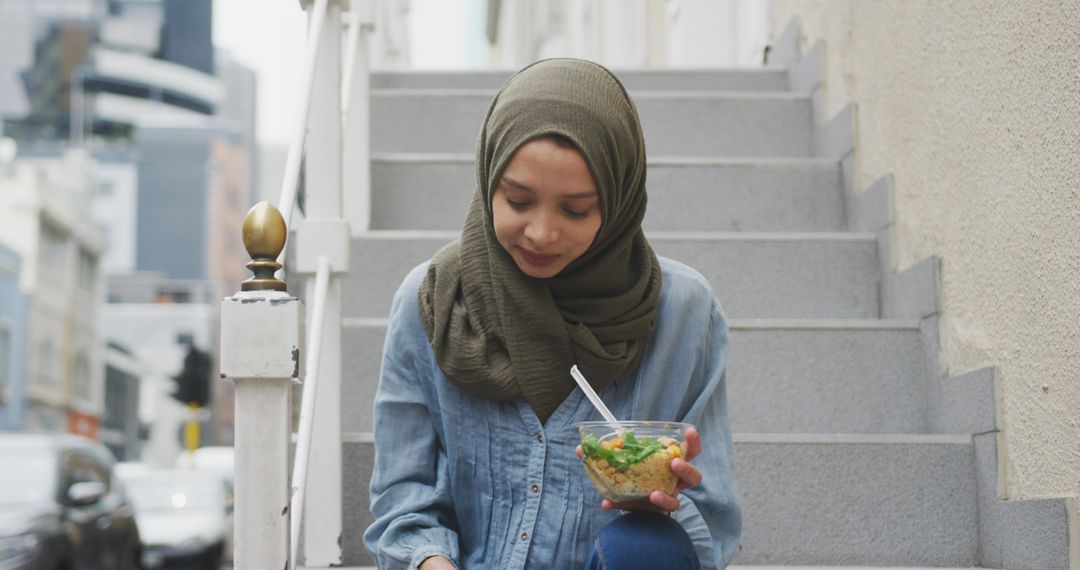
{"x":538,"y":259}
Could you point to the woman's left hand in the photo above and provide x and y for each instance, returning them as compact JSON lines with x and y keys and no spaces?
{"x":659,"y":501}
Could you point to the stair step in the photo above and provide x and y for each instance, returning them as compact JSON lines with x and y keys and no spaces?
{"x":783,"y":376}
{"x":741,"y":568}
{"x":734,"y":79}
{"x":675,"y":123}
{"x":761,"y":275}
{"x":816,"y":499}
{"x":707,"y":194}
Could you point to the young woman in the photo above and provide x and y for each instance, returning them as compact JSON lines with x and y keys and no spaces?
{"x":476,"y":413}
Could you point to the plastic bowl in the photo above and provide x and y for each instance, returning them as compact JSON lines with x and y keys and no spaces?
{"x":633,"y":476}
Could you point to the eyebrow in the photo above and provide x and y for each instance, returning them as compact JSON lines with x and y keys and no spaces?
{"x":581,"y":195}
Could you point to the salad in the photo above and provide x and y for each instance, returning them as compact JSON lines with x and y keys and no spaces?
{"x":627,"y":467}
{"x":626,"y":450}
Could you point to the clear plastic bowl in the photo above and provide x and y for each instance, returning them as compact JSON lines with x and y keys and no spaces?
{"x":631,"y":481}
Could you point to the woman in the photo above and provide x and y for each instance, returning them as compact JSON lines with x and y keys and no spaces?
{"x":476,"y":413}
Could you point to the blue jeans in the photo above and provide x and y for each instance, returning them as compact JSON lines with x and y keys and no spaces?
{"x":643,"y":541}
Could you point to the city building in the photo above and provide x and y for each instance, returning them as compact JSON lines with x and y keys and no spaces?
{"x":170,"y":124}
{"x":200,"y":207}
{"x":13,"y":306}
{"x":121,"y":428}
{"x":43,"y":206}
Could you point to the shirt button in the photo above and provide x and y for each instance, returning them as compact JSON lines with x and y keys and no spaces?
{"x":540,"y":438}
{"x":524,"y":536}
{"x":535,"y":487}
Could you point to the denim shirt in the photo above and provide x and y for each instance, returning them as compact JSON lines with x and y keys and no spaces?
{"x":486,"y":485}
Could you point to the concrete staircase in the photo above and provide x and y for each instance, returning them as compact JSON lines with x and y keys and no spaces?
{"x":838,"y":460}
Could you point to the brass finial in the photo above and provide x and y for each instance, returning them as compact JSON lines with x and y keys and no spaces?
{"x":264,"y":238}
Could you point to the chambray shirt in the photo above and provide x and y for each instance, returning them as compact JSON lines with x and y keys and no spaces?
{"x":486,"y":485}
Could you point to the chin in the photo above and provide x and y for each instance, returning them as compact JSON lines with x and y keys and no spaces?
{"x":539,"y":272}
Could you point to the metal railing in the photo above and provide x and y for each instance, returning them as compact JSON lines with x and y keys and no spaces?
{"x":333,"y":116}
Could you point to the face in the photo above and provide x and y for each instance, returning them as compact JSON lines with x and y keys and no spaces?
{"x":546,"y":208}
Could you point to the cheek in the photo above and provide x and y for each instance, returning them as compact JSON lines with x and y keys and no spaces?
{"x":589,"y":232}
{"x":503,"y":223}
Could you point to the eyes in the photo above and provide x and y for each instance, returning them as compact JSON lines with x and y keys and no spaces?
{"x":573,"y":213}
{"x":521,"y":198}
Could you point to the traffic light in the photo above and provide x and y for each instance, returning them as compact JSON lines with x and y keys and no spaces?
{"x":193,"y":383}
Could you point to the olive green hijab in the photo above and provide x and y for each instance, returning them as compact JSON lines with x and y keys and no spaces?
{"x":499,"y":334}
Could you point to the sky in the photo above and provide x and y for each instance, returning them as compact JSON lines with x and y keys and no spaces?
{"x":268,"y":36}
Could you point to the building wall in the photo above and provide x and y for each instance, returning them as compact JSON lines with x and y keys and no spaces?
{"x":115,"y":206}
{"x":17,"y":45}
{"x":12,"y":342}
{"x":42,"y":202}
{"x":974,"y":107}
{"x":173,"y":201}
{"x":230,"y":198}
{"x":632,"y":33}
{"x":120,"y":427}
{"x":185,"y":38}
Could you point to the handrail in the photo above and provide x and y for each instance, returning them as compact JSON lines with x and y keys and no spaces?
{"x":307,"y":407}
{"x":290,"y":183}
{"x":321,"y":22}
{"x":351,"y":52}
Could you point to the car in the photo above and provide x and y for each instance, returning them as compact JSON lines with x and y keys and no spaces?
{"x":185,"y":517}
{"x":62,"y":507}
{"x":219,"y":460}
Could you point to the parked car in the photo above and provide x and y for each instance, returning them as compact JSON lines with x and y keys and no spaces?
{"x":220,"y":461}
{"x":184,"y":517}
{"x":61,"y":506}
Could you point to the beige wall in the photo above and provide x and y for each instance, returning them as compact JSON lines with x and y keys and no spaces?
{"x":974,"y":106}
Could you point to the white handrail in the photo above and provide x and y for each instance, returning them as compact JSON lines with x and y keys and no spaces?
{"x":292,"y":164}
{"x":351,"y":43}
{"x":307,"y":407}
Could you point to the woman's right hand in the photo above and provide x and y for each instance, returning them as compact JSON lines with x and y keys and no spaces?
{"x":437,"y":563}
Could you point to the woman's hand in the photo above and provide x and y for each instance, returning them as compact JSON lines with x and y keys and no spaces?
{"x":659,"y":501}
{"x":437,"y":563}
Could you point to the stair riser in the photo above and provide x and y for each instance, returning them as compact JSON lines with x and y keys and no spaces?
{"x":857,"y":504}
{"x":813,"y":504}
{"x":730,"y":80}
{"x":781,"y":196}
{"x":779,"y":380}
{"x":754,"y":279}
{"x":693,"y":126}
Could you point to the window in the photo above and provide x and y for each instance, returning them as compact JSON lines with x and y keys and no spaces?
{"x":5,"y":362}
{"x":82,"y":468}
{"x":45,"y":363}
{"x":82,"y":376}
{"x":87,"y":270}
{"x":53,"y":251}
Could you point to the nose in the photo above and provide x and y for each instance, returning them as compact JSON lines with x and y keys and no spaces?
{"x":542,"y":230}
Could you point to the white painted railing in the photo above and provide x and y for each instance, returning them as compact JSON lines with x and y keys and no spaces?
{"x":290,"y":183}
{"x":332,"y":119}
{"x":307,"y":407}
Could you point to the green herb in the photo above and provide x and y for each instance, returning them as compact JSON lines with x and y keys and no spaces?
{"x":632,"y":452}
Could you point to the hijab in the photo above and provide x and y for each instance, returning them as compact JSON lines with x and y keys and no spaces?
{"x":499,"y":334}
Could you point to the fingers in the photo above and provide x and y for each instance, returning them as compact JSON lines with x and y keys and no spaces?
{"x":578,"y":452}
{"x":693,"y":443}
{"x":658,"y":502}
{"x":689,"y":476}
{"x":663,"y":501}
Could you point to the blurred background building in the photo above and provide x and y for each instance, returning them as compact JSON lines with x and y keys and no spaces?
{"x":131,"y":142}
